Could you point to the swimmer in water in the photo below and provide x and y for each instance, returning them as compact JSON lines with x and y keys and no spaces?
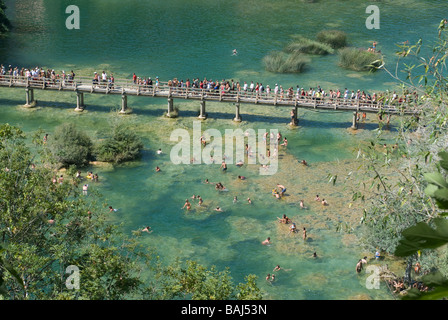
{"x":234,"y":52}
{"x":158,"y":169}
{"x":187,"y":204}
{"x":277,"y":268}
{"x":235,"y":199}
{"x":218,"y":209}
{"x":302,"y":205}
{"x":223,"y":166}
{"x":267,"y":241}
{"x":249,"y":201}
{"x":112,"y":209}
{"x":241,"y":177}
{"x":282,"y":193}
{"x":146,"y":229}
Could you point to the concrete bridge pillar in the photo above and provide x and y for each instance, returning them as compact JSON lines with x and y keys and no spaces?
{"x":79,"y":101}
{"x":294,"y":119}
{"x":237,"y":113}
{"x":202,"y":114}
{"x":355,"y":121}
{"x":170,"y":112}
{"x":30,"y":98}
{"x":124,"y":104}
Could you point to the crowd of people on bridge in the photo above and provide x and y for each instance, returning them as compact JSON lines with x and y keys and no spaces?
{"x":256,"y":89}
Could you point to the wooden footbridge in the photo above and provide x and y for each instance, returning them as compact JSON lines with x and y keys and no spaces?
{"x":125,"y":88}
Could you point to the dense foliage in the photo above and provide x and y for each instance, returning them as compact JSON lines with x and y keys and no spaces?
{"x":69,"y":146}
{"x":123,"y":145}
{"x":359,"y":59}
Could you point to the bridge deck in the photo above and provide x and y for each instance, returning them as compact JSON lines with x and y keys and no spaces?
{"x":127,"y":87}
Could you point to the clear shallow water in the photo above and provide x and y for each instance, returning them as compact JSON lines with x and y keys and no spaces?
{"x":174,"y":39}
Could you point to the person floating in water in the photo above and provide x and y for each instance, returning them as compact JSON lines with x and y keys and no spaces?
{"x":267,"y":241}
{"x":146,"y":229}
{"x":234,"y":52}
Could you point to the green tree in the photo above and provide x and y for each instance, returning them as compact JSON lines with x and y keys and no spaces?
{"x":123,"y":145}
{"x":69,"y":146}
{"x":190,"y":280}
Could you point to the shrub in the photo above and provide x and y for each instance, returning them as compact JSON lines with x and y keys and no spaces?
{"x":281,"y":62}
{"x":334,"y":38}
{"x":308,"y":46}
{"x":70,"y":146}
{"x":123,"y":145}
{"x":359,"y":59}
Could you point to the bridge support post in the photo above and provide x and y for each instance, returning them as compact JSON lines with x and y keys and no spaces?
{"x":170,"y":113}
{"x":237,"y":113}
{"x":124,"y":104}
{"x":30,"y":103}
{"x":79,"y":101}
{"x":355,"y":121}
{"x":202,"y":114}
{"x":294,"y":119}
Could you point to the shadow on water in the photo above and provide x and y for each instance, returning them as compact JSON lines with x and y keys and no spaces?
{"x":159,"y":112}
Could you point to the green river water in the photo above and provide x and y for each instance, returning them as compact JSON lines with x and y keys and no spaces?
{"x":188,"y":39}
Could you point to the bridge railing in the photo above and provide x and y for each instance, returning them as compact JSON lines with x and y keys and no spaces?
{"x":163,"y":89}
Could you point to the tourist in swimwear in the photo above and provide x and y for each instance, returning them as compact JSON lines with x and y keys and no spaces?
{"x":241,"y":178}
{"x":304,"y":233}
{"x":292,"y":228}
{"x":302,"y":205}
{"x":187,"y":204}
{"x":218,"y":209}
{"x":277,"y":268}
{"x":268,"y":277}
{"x":324,"y":202}
{"x":158,"y":169}
{"x":112,"y":209}
{"x":317,"y":198}
{"x":273,"y":277}
{"x":146,"y":229}
{"x":359,"y":266}
{"x":223,"y":166}
{"x":249,"y":201}
{"x":267,"y":241}
{"x":304,"y":163}
{"x":283,"y":189}
{"x":235,"y":199}
{"x":159,"y":151}
{"x":84,"y":189}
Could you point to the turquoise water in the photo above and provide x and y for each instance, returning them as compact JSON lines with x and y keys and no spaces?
{"x":195,"y":39}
